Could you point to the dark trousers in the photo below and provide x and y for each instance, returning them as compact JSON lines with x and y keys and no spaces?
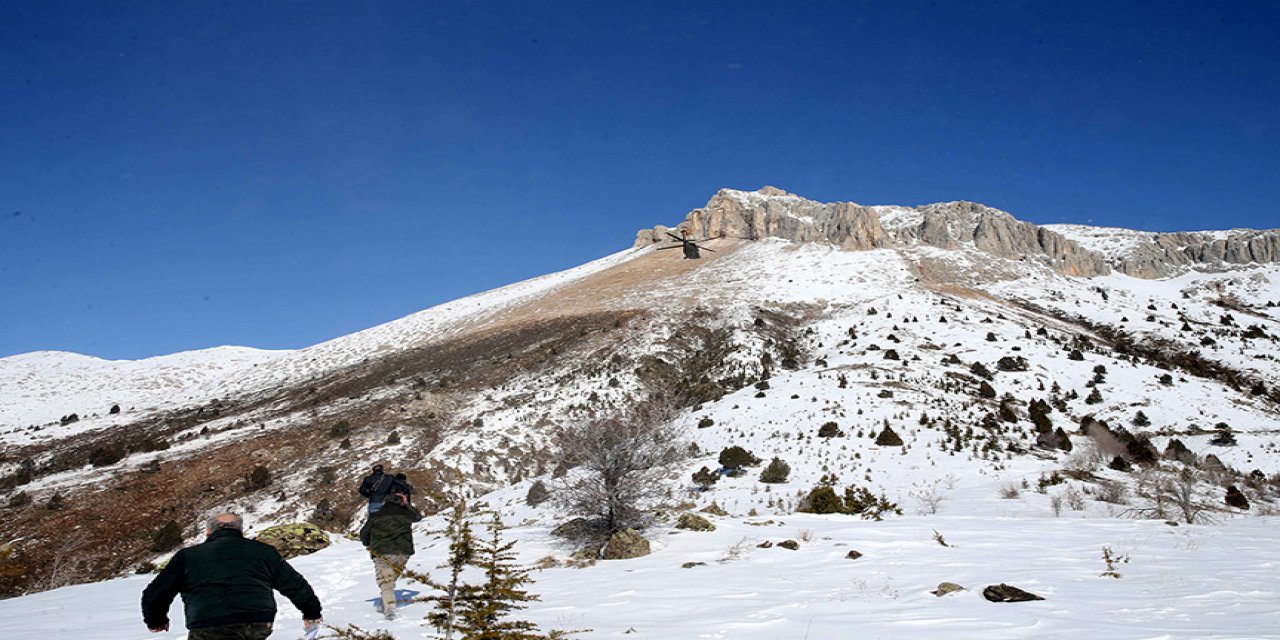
{"x":240,"y":631}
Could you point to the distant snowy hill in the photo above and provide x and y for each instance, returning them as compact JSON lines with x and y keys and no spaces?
{"x":1023,"y":366}
{"x":40,"y":388}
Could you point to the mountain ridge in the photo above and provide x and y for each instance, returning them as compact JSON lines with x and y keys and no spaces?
{"x":762,"y":340}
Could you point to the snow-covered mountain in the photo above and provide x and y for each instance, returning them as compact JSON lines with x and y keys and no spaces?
{"x":954,"y":324}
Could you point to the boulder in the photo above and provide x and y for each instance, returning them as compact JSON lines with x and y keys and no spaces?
{"x":690,"y":565}
{"x":293,"y":540}
{"x":789,"y":544}
{"x":1236,"y":499}
{"x":624,"y":545}
{"x":1056,"y":439}
{"x":853,"y":555}
{"x":765,"y":545}
{"x":1213,"y":464}
{"x":1178,"y":451}
{"x":1005,"y":593}
{"x":694,"y":522}
{"x":714,"y":509}
{"x":575,"y":529}
{"x":947,"y":587}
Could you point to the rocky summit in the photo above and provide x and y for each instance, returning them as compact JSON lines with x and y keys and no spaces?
{"x":1069,"y":249}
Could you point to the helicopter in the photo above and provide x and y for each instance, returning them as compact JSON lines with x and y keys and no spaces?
{"x":690,"y":247}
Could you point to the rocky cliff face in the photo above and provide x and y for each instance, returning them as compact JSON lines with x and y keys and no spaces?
{"x":1171,"y":253}
{"x":773,"y":213}
{"x":1068,"y":249}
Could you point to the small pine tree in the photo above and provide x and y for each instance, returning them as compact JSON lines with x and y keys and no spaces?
{"x":485,"y":611}
{"x":1094,"y":397}
{"x":829,"y":430}
{"x":1140,"y":419}
{"x":888,"y":438}
{"x":461,"y":552}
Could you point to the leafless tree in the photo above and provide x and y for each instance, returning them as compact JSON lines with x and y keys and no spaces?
{"x":618,"y":463}
{"x":1154,"y":487}
{"x":1184,"y":498}
{"x":1170,"y":496}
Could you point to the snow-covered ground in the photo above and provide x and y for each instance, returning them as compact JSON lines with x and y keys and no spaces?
{"x":1192,"y":582}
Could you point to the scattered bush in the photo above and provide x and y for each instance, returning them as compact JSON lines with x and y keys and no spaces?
{"x":822,"y":500}
{"x":705,"y":478}
{"x":829,"y":430}
{"x":107,"y":454}
{"x":1223,"y":436}
{"x":1094,"y":397}
{"x":1012,"y":363}
{"x":986,"y":390}
{"x":736,"y":457}
{"x":706,"y":422}
{"x":888,"y":438}
{"x":340,"y":429}
{"x":167,"y":537}
{"x":776,"y":472}
{"x":257,"y":479}
{"x":1039,"y":412}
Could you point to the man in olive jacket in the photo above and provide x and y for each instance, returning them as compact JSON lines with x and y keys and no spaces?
{"x":389,"y":536}
{"x":226,"y":585}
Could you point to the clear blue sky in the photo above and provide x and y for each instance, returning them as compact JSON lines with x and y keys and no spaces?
{"x":180,"y":175}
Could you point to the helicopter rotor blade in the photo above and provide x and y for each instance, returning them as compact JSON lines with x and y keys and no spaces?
{"x":675,"y":236}
{"x":674,"y":246}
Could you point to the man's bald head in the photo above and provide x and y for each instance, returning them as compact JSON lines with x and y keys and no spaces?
{"x":224,"y":521}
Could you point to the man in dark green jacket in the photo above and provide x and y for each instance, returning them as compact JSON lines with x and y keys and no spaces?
{"x":226,"y":585}
{"x":389,"y":536}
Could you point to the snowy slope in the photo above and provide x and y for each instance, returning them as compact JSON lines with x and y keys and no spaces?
{"x":1186,"y":582}
{"x":40,"y":388}
{"x":874,"y":338}
{"x":37,"y":389}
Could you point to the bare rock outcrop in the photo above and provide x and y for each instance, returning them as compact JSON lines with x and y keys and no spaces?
{"x":1166,"y":254}
{"x":993,"y":231}
{"x":1069,"y":249}
{"x":774,"y":213}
